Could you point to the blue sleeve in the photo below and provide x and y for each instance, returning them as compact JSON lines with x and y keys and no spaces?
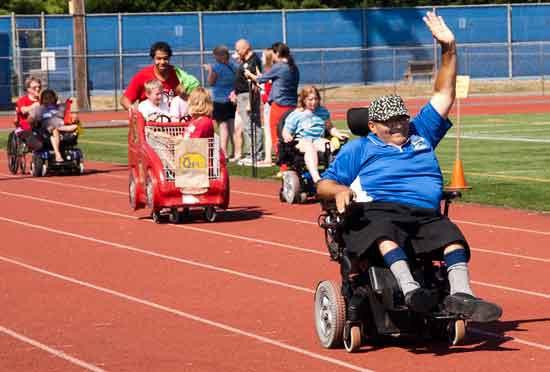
{"x":430,"y":125}
{"x":345,"y":168}
{"x":271,"y":74}
{"x":291,"y":121}
{"x":323,"y":113}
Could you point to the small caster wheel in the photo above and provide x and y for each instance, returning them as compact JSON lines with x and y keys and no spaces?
{"x":457,"y":331}
{"x":353,"y":343}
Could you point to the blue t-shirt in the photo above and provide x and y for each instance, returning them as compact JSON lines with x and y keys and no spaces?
{"x":285,"y":79}
{"x":224,"y":82}
{"x":307,"y":124}
{"x":408,"y":175}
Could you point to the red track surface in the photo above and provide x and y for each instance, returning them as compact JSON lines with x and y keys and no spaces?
{"x":490,"y":105}
{"x":85,"y":276}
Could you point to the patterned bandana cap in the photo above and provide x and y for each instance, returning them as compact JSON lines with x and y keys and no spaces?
{"x":386,"y":107}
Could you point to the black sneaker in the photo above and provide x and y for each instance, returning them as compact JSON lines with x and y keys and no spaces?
{"x":421,"y":300}
{"x":472,"y":307}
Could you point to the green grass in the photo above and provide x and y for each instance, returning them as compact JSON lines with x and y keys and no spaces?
{"x":508,"y":166}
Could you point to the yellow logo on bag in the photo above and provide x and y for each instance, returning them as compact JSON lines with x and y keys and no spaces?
{"x":192,"y":160}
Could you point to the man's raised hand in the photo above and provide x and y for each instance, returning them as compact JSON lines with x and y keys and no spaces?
{"x":438,"y":28}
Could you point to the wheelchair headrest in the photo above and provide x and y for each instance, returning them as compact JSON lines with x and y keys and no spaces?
{"x":358,"y":121}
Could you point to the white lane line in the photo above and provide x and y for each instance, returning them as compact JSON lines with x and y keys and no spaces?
{"x":253,"y":240}
{"x":511,"y":228}
{"x":51,"y":350}
{"x":501,"y":227}
{"x":511,"y":289}
{"x":245,"y":275}
{"x":190,"y":316}
{"x":191,"y":228}
{"x":488,"y":251}
{"x":159,"y":255}
{"x":515,"y":339}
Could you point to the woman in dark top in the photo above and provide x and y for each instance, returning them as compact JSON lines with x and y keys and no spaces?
{"x":284,"y":92}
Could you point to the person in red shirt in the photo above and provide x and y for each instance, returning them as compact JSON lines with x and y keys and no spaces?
{"x":161,"y":70}
{"x":200,"y":109}
{"x":26,"y":103}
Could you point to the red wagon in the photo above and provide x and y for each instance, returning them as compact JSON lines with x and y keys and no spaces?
{"x":154,"y":167}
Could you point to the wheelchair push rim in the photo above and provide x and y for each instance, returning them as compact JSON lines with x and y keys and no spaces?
{"x":330,"y":314}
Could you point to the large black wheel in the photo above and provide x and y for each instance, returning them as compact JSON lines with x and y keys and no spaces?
{"x":329,"y":314}
{"x":38,"y":167}
{"x":210,"y":213}
{"x":290,"y":190}
{"x":12,"y":153}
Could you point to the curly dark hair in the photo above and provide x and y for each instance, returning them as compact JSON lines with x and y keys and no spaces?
{"x":162,"y":46}
{"x":48,"y":97}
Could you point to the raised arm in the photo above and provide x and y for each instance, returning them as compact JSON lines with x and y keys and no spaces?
{"x":445,"y":81}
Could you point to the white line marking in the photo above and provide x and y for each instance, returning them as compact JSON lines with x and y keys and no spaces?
{"x":515,"y":339}
{"x":190,"y":316}
{"x":266,"y":242}
{"x":51,"y":350}
{"x":191,"y":228}
{"x":505,"y":288}
{"x":503,"y":227}
{"x":159,"y":255}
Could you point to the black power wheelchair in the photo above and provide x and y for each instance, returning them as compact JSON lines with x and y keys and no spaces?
{"x":296,"y":184}
{"x":382,"y":309}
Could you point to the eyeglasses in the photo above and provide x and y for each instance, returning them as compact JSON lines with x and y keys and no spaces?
{"x":35,"y":87}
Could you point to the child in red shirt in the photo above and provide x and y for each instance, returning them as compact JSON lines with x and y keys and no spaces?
{"x":200,"y":109}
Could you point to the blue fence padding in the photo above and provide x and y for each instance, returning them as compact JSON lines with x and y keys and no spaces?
{"x":484,"y":24}
{"x":27,"y":22}
{"x":102,"y":33}
{"x":325,"y":29}
{"x":5,"y":28}
{"x":530,"y":23}
{"x":59,"y":31}
{"x":5,"y":76}
{"x":261,"y":29}
{"x":104,"y":71}
{"x":395,"y":27}
{"x":530,"y":60}
{"x":139,"y":32}
{"x":483,"y":61}
{"x":385,"y":65}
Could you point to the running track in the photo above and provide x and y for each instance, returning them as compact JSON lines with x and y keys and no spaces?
{"x":87,"y":284}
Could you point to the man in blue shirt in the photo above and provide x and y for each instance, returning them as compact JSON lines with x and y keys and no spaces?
{"x":395,"y":168}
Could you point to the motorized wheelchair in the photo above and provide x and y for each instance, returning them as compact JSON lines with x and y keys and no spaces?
{"x":296,"y":184}
{"x":43,"y":158}
{"x":382,"y":309}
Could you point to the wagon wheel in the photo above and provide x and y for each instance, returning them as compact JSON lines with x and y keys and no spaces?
{"x":329,"y":314}
{"x":156,"y":216}
{"x":210,"y":213}
{"x":174,"y":216}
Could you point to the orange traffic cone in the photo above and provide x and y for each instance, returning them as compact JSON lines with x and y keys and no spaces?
{"x":458,"y":182}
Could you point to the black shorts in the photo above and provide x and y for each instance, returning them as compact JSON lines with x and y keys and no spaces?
{"x":416,"y":230}
{"x":223,"y":111}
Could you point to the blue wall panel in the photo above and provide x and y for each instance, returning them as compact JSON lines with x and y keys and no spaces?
{"x":530,"y":23}
{"x":59,"y":31}
{"x":102,"y":33}
{"x":5,"y":72}
{"x":325,"y":29}
{"x":139,"y":32}
{"x":261,"y":29}
{"x":394,"y":27}
{"x":486,"y":24}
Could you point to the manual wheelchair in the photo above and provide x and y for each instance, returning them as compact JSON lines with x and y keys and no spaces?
{"x":296,"y":184}
{"x":382,"y":309}
{"x":17,"y":151}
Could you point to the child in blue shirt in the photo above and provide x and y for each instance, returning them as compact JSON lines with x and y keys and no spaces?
{"x":307,"y":124}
